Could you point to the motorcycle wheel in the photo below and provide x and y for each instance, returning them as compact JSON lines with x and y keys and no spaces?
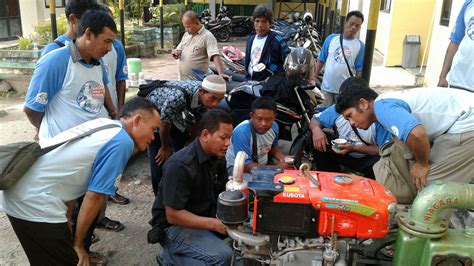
{"x":302,"y":149}
{"x":222,"y":35}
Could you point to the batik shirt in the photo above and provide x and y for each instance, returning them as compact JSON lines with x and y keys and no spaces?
{"x":172,"y":102}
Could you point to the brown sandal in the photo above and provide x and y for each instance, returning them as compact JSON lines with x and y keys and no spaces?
{"x":97,"y":259}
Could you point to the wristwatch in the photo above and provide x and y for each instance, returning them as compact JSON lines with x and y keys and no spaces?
{"x":112,"y":114}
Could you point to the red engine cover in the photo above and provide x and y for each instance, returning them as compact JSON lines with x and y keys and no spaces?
{"x":355,"y":206}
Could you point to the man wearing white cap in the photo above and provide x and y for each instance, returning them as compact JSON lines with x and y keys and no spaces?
{"x":180,"y":103}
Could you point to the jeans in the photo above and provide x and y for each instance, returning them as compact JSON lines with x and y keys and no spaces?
{"x":186,"y":246}
{"x":178,"y":140}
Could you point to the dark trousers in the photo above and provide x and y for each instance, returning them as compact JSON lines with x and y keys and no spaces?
{"x":45,"y":243}
{"x":178,"y":139}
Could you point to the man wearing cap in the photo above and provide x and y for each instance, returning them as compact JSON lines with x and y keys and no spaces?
{"x":180,"y":103}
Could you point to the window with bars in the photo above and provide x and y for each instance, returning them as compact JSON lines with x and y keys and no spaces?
{"x":385,"y":5}
{"x":446,"y":12}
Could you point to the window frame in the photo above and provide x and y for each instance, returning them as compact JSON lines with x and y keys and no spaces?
{"x":446,"y":10}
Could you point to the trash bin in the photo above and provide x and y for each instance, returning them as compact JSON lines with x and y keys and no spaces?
{"x":134,"y":65}
{"x":411,"y":50}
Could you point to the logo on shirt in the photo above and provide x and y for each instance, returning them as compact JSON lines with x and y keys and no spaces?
{"x":42,"y":98}
{"x":339,"y":57}
{"x":470,"y":28}
{"x":395,"y":131}
{"x":91,"y":97}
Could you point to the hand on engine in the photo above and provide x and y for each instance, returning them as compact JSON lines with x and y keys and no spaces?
{"x":219,"y":227}
{"x":418,"y":174}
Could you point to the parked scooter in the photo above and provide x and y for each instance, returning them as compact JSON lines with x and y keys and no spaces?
{"x":219,"y":28}
{"x":240,"y":26}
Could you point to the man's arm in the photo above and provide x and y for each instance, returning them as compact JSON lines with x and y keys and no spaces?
{"x":90,"y":208}
{"x":187,"y":219}
{"x":448,"y":60}
{"x":370,"y":150}
{"x":219,"y":65}
{"x":419,"y":144}
{"x":34,"y":117}
{"x":165,"y":150}
{"x":318,"y":68}
{"x":109,"y":105}
{"x":320,"y":141}
{"x":121,"y":88}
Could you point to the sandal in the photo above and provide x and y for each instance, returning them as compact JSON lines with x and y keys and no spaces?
{"x":111,"y":225}
{"x":94,"y":239}
{"x":95,"y":258}
{"x":119,"y":199}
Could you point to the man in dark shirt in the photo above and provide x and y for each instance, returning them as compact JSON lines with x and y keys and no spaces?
{"x":184,"y":210}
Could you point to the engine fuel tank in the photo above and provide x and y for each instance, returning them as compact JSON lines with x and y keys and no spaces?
{"x":346,"y":205}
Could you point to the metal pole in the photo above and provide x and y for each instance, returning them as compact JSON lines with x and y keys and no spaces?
{"x":327,"y":13}
{"x":332,"y":16}
{"x":52,"y":12}
{"x":122,"y":22}
{"x":343,"y":14}
{"x":162,"y":34}
{"x":370,"y":39}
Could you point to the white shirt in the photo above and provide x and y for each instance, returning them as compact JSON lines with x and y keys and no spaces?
{"x":256,"y":51}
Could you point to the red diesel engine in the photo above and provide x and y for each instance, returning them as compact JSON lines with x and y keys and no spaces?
{"x":311,"y":204}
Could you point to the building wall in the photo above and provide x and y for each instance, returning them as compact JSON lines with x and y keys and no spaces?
{"x":440,"y":42}
{"x":286,"y":7}
{"x":408,"y":18}
{"x":33,"y":12}
{"x":384,"y":28}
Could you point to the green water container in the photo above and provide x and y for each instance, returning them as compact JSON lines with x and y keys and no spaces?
{"x":134,"y":65}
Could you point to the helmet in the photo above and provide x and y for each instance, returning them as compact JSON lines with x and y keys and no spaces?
{"x":298,"y":65}
{"x":223,"y":9}
{"x":307,"y":17}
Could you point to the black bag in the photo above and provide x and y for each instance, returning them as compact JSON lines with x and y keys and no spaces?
{"x":17,"y":158}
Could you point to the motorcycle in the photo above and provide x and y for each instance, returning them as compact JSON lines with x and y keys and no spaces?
{"x":220,"y":29}
{"x":303,"y":217}
{"x":240,"y":26}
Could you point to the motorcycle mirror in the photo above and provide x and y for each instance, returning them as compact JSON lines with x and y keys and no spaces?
{"x":307,"y":43}
{"x":259,"y":67}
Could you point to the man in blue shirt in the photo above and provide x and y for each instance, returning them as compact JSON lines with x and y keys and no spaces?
{"x":74,"y":11}
{"x":262,"y":129}
{"x":359,"y":154}
{"x":435,"y":125}
{"x":39,"y":205}
{"x":334,"y":54}
{"x":459,"y":54}
{"x":265,"y":47}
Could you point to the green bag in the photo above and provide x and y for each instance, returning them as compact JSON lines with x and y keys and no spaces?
{"x":16,"y":159}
